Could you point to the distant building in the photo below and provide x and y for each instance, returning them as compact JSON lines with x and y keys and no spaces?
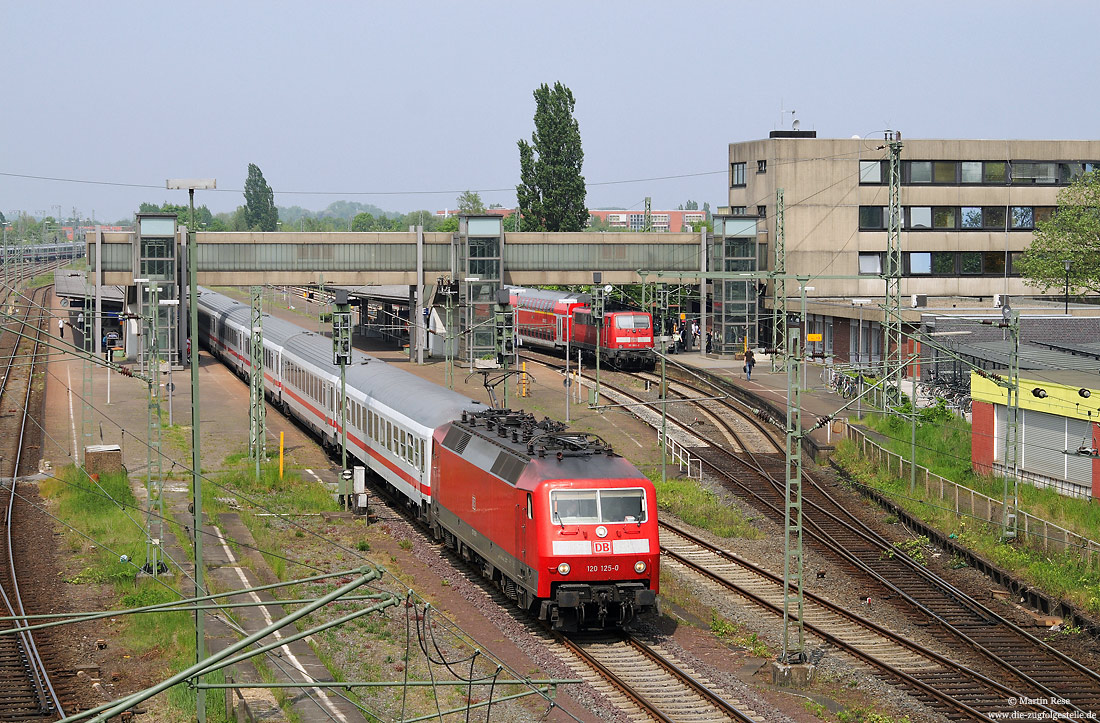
{"x":634,"y":220}
{"x":448,"y":212}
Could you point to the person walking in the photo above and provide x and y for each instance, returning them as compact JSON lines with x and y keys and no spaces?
{"x":750,"y":362}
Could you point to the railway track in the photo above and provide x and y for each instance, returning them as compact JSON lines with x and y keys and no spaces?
{"x":658,"y":684}
{"x":1003,"y":652}
{"x":26,"y":690}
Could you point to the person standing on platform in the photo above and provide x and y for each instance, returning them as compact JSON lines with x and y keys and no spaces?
{"x":61,"y":328}
{"x":750,"y":362}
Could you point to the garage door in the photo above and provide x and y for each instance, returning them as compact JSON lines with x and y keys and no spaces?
{"x":1079,"y":469}
{"x":1044,"y":438}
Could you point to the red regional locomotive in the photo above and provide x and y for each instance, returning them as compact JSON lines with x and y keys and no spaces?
{"x":564,"y":526}
{"x":556,"y":320}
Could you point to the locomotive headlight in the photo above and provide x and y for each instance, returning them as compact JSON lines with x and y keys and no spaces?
{"x":563,"y":569}
{"x":639,"y":566}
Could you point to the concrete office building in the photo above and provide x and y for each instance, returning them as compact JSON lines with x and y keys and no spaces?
{"x":969,"y":208}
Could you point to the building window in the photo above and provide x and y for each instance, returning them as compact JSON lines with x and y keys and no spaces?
{"x":995,"y":172}
{"x":737,"y":210}
{"x":870,"y":172}
{"x":1033,"y":173}
{"x":737,"y":174}
{"x":943,"y":217}
{"x":994,"y":217}
{"x":943,"y":263}
{"x":920,"y":263}
{"x":993,"y":262}
{"x":971,"y":216}
{"x":1043,"y":213}
{"x":920,"y":217}
{"x":761,"y":166}
{"x":971,"y":171}
{"x":970,"y":262}
{"x":870,"y":263}
{"x":1023,"y":217}
{"x":762,"y":211}
{"x":870,"y":218}
{"x":944,"y":172}
{"x":920,"y":171}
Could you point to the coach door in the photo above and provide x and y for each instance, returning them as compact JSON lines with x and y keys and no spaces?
{"x":562,"y":330}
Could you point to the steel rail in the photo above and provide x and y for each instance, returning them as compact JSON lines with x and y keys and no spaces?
{"x":39,"y":675}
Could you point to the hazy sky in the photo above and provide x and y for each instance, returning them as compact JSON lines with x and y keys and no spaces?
{"x":374,"y":100}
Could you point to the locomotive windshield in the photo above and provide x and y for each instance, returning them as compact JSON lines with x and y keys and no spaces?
{"x":590,"y":507}
{"x":631,"y":321}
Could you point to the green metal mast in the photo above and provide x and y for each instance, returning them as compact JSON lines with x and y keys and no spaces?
{"x":647,"y":225}
{"x":87,"y":410}
{"x":892,"y":273}
{"x":257,"y":433}
{"x":1010,"y":502}
{"x":154,"y":469}
{"x":779,"y":283}
{"x":794,"y":639}
{"x":662,"y":308}
{"x":341,"y":357}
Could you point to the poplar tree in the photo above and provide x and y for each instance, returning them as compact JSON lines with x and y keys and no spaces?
{"x":551,"y":191}
{"x":260,"y":213}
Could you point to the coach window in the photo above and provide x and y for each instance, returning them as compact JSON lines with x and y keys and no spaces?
{"x":530,"y":507}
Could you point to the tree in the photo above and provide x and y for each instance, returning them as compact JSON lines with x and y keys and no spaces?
{"x":363,"y":222}
{"x":706,"y":209}
{"x":551,"y":191}
{"x":259,"y":201}
{"x":470,"y":202}
{"x":1071,"y":234}
{"x":691,"y":205}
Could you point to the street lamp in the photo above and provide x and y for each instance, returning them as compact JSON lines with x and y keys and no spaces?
{"x":1067,"y":263}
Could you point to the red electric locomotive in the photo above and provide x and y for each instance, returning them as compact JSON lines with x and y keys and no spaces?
{"x":557,"y":320}
{"x":565,"y":526}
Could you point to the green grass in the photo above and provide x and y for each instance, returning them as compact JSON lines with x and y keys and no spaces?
{"x":167,"y":640}
{"x":700,"y":507}
{"x":943,"y":446}
{"x":1062,"y":575}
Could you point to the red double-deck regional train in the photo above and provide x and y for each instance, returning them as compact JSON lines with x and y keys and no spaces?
{"x":566,"y":527}
{"x":557,"y":320}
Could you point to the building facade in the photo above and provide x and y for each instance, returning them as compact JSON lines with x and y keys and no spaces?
{"x":1057,"y":431}
{"x":634,"y":220}
{"x":969,"y":208}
